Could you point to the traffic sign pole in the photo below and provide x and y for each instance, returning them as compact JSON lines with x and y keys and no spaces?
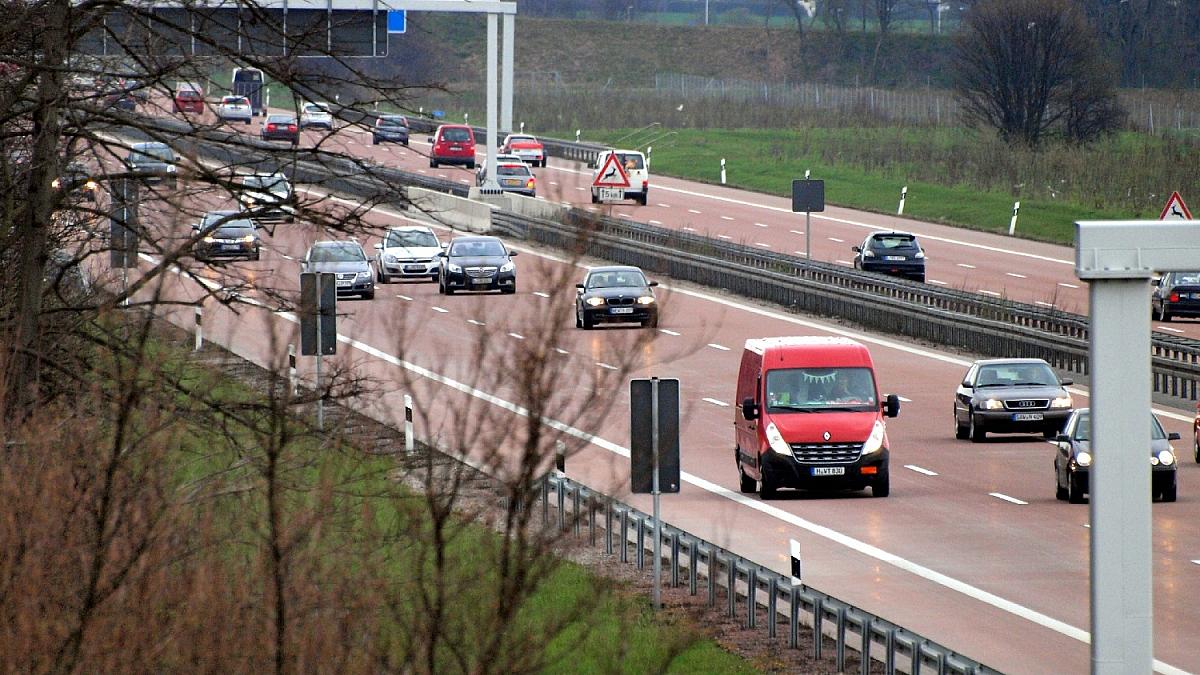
{"x":655,"y":599}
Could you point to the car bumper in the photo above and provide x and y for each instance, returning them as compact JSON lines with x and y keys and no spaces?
{"x":527,"y":156}
{"x":328,"y":126}
{"x":392,"y":137}
{"x":294,"y":138}
{"x":908,"y":270}
{"x":1184,"y":308}
{"x":459,"y":281}
{"x":606,"y":315}
{"x":452,"y":160}
{"x":240,"y":117}
{"x":519,"y":191}
{"x":1160,"y":477}
{"x":355,"y":288}
{"x":786,"y":471}
{"x":1003,"y":421}
{"x":413,"y":270}
{"x":222,"y":251}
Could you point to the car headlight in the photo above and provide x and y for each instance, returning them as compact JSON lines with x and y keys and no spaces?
{"x":646,"y":300}
{"x":594,"y":302}
{"x":170,"y":168}
{"x":874,"y":442}
{"x":1083,"y":459}
{"x":1166,"y":458}
{"x":993,"y":404}
{"x":209,"y":240}
{"x":249,"y":239}
{"x":91,"y":185}
{"x":56,"y":183}
{"x":389,"y":258}
{"x":364,"y":275}
{"x":1061,"y":402}
{"x":508,"y":267}
{"x":453,"y":268}
{"x":776,"y":440}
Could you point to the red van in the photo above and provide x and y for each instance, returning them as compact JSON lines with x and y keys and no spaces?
{"x":453,"y":144}
{"x":188,"y":98}
{"x":810,"y":416}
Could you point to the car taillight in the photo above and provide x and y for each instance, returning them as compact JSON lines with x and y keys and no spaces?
{"x":529,"y":184}
{"x":1174,"y":297}
{"x":291,"y":127}
{"x":270,"y":127}
{"x":645,"y":184}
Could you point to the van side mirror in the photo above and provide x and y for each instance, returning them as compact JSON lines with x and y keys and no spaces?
{"x":891,"y":406}
{"x":856,"y":249}
{"x":1174,"y":436}
{"x":1067,"y":383}
{"x":749,"y":409}
{"x":513,"y":254}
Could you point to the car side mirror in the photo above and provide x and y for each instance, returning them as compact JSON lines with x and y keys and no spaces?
{"x":891,"y":406}
{"x":856,"y":249}
{"x":579,"y":286}
{"x":1067,"y":383}
{"x":967,"y":384}
{"x":1156,"y":282}
{"x":429,"y":140}
{"x":441,"y":254}
{"x":1062,"y":438}
{"x":512,"y":254}
{"x":1174,"y":436}
{"x":653,"y":283}
{"x":378,"y":247}
{"x":749,"y":409}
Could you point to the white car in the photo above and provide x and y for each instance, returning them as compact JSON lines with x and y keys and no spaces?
{"x":235,"y":109}
{"x":268,"y":197}
{"x":501,"y":158}
{"x":408,"y":253}
{"x":635,"y":168}
{"x":316,"y":115}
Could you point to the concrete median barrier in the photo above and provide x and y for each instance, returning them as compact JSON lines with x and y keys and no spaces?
{"x":461,"y":213}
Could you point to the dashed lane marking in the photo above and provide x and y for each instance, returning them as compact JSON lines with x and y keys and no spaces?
{"x":665,"y":206}
{"x":541,"y":294}
{"x":693,"y":211}
{"x":473,"y":322}
{"x":440,"y":310}
{"x":724,"y":236}
{"x":517,"y":336}
{"x":717,"y":346}
{"x":800,"y":232}
{"x":759,"y":243}
{"x":1066,"y":285}
{"x":656,"y":222}
{"x":561,"y":351}
{"x":1014,"y":274}
{"x":1043,"y":304}
{"x":715,"y":402}
{"x":904,"y":399}
{"x":991,"y":293}
{"x":690,"y":229}
{"x":726,"y":218}
{"x":970,"y":267}
{"x":936,"y":282}
{"x":760,"y":224}
{"x":840,"y":241}
{"x":668,"y":331}
{"x":403,"y":297}
{"x":1011,"y":500}
{"x":914,"y":467}
{"x":606,"y":366}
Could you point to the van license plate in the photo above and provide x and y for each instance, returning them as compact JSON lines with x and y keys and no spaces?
{"x":829,"y":471}
{"x":1027,"y":417}
{"x":611,"y":194}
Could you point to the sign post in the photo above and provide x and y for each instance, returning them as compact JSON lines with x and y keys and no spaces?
{"x":318,"y":324}
{"x":611,"y":180}
{"x":808,"y":196}
{"x":654,"y":451}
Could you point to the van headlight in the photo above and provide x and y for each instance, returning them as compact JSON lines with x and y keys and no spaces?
{"x":1061,"y":402}
{"x":993,"y":404}
{"x":1083,"y":459}
{"x":776,"y":440}
{"x":1166,"y":458}
{"x":508,"y":267}
{"x":874,"y":442}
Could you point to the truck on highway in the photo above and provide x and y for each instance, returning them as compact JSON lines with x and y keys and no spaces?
{"x":251,"y":83}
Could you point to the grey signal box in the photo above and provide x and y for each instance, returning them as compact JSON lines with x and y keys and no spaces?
{"x":641,"y":432}
{"x":808,"y":196}
{"x":318,"y":314}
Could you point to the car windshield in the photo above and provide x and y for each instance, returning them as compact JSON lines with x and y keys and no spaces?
{"x":477,"y":249}
{"x":273,"y":185}
{"x":337,"y":252}
{"x":521,"y":139}
{"x":1083,"y":428}
{"x":235,"y":230}
{"x":512,"y":170}
{"x":188,"y":95}
{"x":630,"y":161}
{"x":153,"y":153}
{"x":410,"y":239}
{"x":617,"y":279}
{"x":886,"y":241}
{"x":1015,"y":375}
{"x":393,"y":122}
{"x":456,"y":135}
{"x":227,"y":220}
{"x":820,"y":389}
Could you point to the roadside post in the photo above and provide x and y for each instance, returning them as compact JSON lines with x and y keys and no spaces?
{"x":1012,"y":224}
{"x":560,"y":458}
{"x":808,"y":196}
{"x":199,"y":328}
{"x":903,"y":196}
{"x":291,"y":369}
{"x":577,"y":135}
{"x":409,"y":443}
{"x":654,"y":451}
{"x":794,"y":550}
{"x":318,"y":324}
{"x":722,"y":171}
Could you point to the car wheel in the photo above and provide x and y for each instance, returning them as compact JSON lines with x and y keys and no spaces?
{"x":960,"y":431}
{"x":1060,"y":492}
{"x":1163,"y":314}
{"x":1050,"y":432}
{"x":1169,"y":493}
{"x":588,"y":324}
{"x":405,"y":143}
{"x":578,"y":321}
{"x":369,"y":295}
{"x":1074,"y":492}
{"x":882,"y":485}
{"x":1196,"y":450}
{"x":767,"y":489}
{"x":433,"y":164}
{"x":247,"y":122}
{"x":544,"y":163}
{"x":374,"y":141}
{"x":642,"y":198}
{"x":595,"y":197}
{"x":746,"y":484}
{"x":471,"y":165}
{"x":257,"y":256}
{"x":976,"y":431}
{"x":509,"y":291}
{"x":449,"y":291}
{"x":381,"y":277}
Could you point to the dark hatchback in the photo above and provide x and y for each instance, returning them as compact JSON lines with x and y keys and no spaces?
{"x":152,"y":162}
{"x":1010,"y":396}
{"x":77,"y":179}
{"x":281,"y":128}
{"x":390,"y":128}
{"x":615,"y":294}
{"x":898,"y":254}
{"x":1176,"y":294}
{"x":1073,"y":460}
{"x":347,"y":261}
{"x":477,"y":264}
{"x":226,"y":234}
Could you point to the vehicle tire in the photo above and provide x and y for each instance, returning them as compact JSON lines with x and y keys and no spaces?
{"x":652,"y":322}
{"x":405,"y":143}
{"x":471,"y":165}
{"x":509,"y":291}
{"x":374,"y":141}
{"x":1163,"y":314}
{"x":642,"y":198}
{"x":381,"y":277}
{"x":1050,"y":432}
{"x":449,"y":291}
{"x":257,"y":256}
{"x":578,"y":321}
{"x":595,"y":197}
{"x":960,"y":431}
{"x":370,"y":295}
{"x":588,"y":324}
{"x":247,"y":122}
{"x":1060,"y":492}
{"x":767,"y":487}
{"x":746,"y":484}
{"x":433,"y":163}
{"x":882,"y":485}
{"x":975,"y":431}
{"x":1196,"y":450}
{"x":441,"y":288}
{"x":1074,"y":494}
{"x":1169,"y":493}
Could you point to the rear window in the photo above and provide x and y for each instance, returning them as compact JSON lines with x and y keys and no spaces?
{"x":1186,"y":278}
{"x":235,"y":100}
{"x":631,"y":162}
{"x":281,"y":119}
{"x":894,"y":241}
{"x":392,"y":122}
{"x":456,"y":135}
{"x":522,"y":139}
{"x":512,"y":170}
{"x":315,"y":108}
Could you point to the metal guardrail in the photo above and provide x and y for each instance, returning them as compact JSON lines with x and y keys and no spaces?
{"x":749,"y":588}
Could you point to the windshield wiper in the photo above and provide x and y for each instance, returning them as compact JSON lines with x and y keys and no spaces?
{"x":1032,"y":384}
{"x":785,"y":406}
{"x":844,"y":408}
{"x":991,"y":384}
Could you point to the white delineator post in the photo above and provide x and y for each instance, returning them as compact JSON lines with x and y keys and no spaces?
{"x":291,"y":370}
{"x":722,"y":171}
{"x":649,"y":149}
{"x":408,"y":424}
{"x":807,"y":174}
{"x":199,"y":328}
{"x":1012,"y":224}
{"x":577,"y":135}
{"x":903,"y":196}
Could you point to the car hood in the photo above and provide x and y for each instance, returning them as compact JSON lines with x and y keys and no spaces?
{"x":1009,"y":393}
{"x":480,"y":261}
{"x":412,"y":251}
{"x":618,"y":292}
{"x":843,"y":427}
{"x":354,"y":266}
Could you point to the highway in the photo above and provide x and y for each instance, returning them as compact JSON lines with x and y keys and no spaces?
{"x":971,"y":549}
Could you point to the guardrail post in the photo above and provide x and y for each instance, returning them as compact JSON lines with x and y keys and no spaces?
{"x":641,"y":541}
{"x":866,"y":646}
{"x":890,"y":655}
{"x":624,"y":539}
{"x":674,"y":558}
{"x":794,"y":617}
{"x":575,"y":510}
{"x":818,"y":619}
{"x":561,"y":497}
{"x":915,"y":665}
{"x":712,"y":578}
{"x":772,"y":591}
{"x":752,"y":597}
{"x":608,"y":526}
{"x":591,"y":504}
{"x":731,"y":589}
{"x":840,"y":647}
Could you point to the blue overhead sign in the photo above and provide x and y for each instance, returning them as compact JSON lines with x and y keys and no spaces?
{"x":397,"y":21}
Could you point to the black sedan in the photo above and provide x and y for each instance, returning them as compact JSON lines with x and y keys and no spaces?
{"x":281,"y":128}
{"x":226,"y":234}
{"x":477,"y":264}
{"x":1176,"y":294}
{"x":390,"y":128}
{"x":152,"y":162}
{"x":895,"y":253}
{"x":1010,"y":396}
{"x":347,"y":261}
{"x":615,"y":294}
{"x":1073,"y":460}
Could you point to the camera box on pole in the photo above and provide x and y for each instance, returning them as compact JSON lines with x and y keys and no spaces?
{"x":318,"y":314}
{"x":123,"y":221}
{"x":641,"y":442}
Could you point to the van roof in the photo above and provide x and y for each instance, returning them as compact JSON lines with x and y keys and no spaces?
{"x":799,"y":351}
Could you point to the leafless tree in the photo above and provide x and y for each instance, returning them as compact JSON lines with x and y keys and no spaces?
{"x":1030,"y":68}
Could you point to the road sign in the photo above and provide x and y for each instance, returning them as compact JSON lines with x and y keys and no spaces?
{"x":1175,"y":209}
{"x":397,"y":21}
{"x":123,"y":224}
{"x":318,"y":314}
{"x":808,"y":196}
{"x":611,"y":174}
{"x":642,"y":448}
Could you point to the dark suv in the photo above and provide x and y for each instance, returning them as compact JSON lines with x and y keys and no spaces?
{"x":1010,"y":396}
{"x":477,"y":264}
{"x":898,"y":254}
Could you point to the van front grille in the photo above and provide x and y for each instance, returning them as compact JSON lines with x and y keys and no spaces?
{"x":826,"y":453}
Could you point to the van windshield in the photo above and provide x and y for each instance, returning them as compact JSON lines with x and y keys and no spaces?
{"x":820,"y":390}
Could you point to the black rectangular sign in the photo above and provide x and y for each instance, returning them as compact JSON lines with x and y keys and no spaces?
{"x":318,"y":313}
{"x":641,"y":450}
{"x":808,"y":196}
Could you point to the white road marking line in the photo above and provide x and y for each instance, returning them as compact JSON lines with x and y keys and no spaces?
{"x":970,"y":267}
{"x":726,"y":218}
{"x":1013,"y":500}
{"x":689,"y":229}
{"x":554,"y":182}
{"x":1196,"y":561}
{"x":1014,"y":274}
{"x":992,"y":293}
{"x":761,"y":224}
{"x":665,"y":206}
{"x":935,"y":282}
{"x":1167,"y":328}
{"x":626,"y":216}
{"x":724,"y":236}
{"x":286,"y":256}
{"x":440,"y":310}
{"x":840,"y":241}
{"x":422,"y":171}
{"x":693,"y":211}
{"x":800,"y":232}
{"x":606,"y":366}
{"x":904,"y":399}
{"x":403,"y":297}
{"x":668,"y":331}
{"x":655,"y":222}
{"x":1065,"y":285}
{"x":715,"y":402}
{"x":473,"y":322}
{"x":844,"y":262}
{"x":442,"y":175}
{"x":1043,"y":304}
{"x":717,"y":346}
{"x":540,"y":294}
{"x":561,"y":351}
{"x":759,"y":243}
{"x":517,"y":336}
{"x":581,"y":189}
{"x":1089,"y":526}
{"x":918,"y":469}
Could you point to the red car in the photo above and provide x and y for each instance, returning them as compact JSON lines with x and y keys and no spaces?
{"x":528,"y":148}
{"x":453,"y":144}
{"x":188,"y":99}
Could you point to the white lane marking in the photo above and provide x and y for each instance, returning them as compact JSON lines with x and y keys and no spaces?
{"x":693,"y":211}
{"x":1043,"y":304}
{"x":724,"y":236}
{"x":918,"y":469}
{"x":859,"y":546}
{"x":717,"y":346}
{"x":1013,"y":500}
{"x":665,"y":206}
{"x":540,"y":294}
{"x":668,"y":331}
{"x":1065,"y":285}
{"x":759,"y":243}
{"x":554,"y":182}
{"x":606,"y":366}
{"x":1196,"y":561}
{"x":726,"y":218}
{"x":626,"y":216}
{"x":286,"y":256}
{"x":1089,"y":526}
{"x":761,"y":224}
{"x":422,"y":171}
{"x":517,"y":336}
{"x":903,"y":399}
{"x":440,"y":310}
{"x":796,"y":231}
{"x":404,"y":297}
{"x":844,"y":262}
{"x":992,"y":293}
{"x":715,"y":402}
{"x":1014,"y":274}
{"x":970,"y":267}
{"x":799,"y":252}
{"x":656,"y":222}
{"x":690,"y":229}
{"x":442,"y":175}
{"x":840,"y":241}
{"x":581,"y":189}
{"x":936,"y":282}
{"x":561,"y":351}
{"x":1168,"y":328}
{"x":473,"y":322}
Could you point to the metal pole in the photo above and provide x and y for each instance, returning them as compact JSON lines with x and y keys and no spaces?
{"x":656,"y":600}
{"x":408,"y":424}
{"x":492,"y":21}
{"x":320,"y":393}
{"x":508,"y":32}
{"x":1012,"y":224}
{"x":808,"y":235}
{"x":705,"y":12}
{"x":1121,"y":542}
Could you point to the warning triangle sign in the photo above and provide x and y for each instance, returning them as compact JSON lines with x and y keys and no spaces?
{"x":1175,"y":209}
{"x":611,"y":174}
